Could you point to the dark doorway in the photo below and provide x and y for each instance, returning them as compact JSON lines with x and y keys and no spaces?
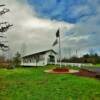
{"x":51,"y":59}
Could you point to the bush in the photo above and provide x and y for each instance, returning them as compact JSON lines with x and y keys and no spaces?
{"x":4,"y":65}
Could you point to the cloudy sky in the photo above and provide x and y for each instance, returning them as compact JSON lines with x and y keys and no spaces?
{"x":35,"y":23}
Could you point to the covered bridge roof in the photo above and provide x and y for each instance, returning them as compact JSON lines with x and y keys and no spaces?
{"x":39,"y":53}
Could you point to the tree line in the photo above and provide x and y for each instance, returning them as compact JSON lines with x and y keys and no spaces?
{"x":87,"y":58}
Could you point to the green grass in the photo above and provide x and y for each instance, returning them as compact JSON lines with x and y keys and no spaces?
{"x":35,"y":84}
{"x":96,"y":65}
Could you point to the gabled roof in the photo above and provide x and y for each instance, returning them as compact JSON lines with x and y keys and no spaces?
{"x":38,"y":53}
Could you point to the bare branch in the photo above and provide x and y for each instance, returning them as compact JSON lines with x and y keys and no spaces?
{"x":1,"y":45}
{"x":5,"y":10}
{"x":5,"y":28}
{"x":2,"y":5}
{"x":1,"y":36}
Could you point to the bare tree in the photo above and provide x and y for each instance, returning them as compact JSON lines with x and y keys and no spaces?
{"x":4,"y":26}
{"x":91,"y":51}
{"x":23,"y":49}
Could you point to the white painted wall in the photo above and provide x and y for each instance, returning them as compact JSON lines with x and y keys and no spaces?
{"x":47,"y":57}
{"x":30,"y":61}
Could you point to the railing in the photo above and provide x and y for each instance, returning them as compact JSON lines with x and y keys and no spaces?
{"x":58,"y":63}
{"x":74,"y":64}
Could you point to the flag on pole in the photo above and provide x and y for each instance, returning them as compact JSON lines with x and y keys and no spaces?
{"x":57,"y":33}
{"x":55,"y":42}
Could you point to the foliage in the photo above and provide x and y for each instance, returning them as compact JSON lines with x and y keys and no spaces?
{"x":17,"y":59}
{"x":4,"y":63}
{"x":87,"y":58}
{"x":4,"y":26}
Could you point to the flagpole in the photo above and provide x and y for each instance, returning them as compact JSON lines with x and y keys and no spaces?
{"x":59,"y":49}
{"x":59,"y":43}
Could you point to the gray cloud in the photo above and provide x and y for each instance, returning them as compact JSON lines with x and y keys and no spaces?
{"x":39,"y":34}
{"x":35,"y":33}
{"x":86,"y":33}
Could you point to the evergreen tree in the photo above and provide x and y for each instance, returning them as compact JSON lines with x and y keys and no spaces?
{"x":17,"y":59}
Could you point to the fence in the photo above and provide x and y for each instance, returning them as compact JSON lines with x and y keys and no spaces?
{"x":74,"y":64}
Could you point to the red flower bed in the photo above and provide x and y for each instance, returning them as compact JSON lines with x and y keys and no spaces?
{"x":60,"y":70}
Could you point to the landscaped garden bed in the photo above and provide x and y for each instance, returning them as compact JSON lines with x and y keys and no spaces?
{"x":60,"y":69}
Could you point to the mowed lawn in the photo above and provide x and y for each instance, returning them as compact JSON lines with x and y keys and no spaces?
{"x":35,"y":84}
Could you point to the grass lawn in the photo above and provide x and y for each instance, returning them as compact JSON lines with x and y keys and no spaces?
{"x":97,"y":65}
{"x":34,"y":84}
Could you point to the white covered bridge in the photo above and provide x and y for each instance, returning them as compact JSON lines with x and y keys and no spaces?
{"x":40,"y":58}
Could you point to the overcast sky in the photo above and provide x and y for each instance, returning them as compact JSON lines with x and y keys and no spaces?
{"x":35,"y":23}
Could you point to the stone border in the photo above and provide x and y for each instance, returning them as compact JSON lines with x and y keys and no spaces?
{"x":71,"y":71}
